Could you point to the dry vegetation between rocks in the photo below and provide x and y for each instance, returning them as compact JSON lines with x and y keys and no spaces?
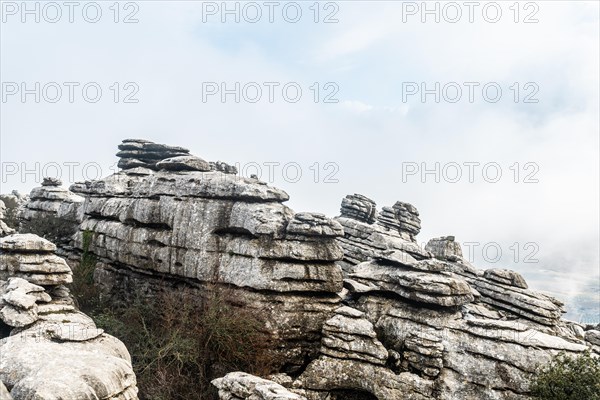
{"x":178,"y":344}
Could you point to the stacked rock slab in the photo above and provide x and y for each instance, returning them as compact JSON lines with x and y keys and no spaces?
{"x":352,"y":358}
{"x":53,"y":351}
{"x":32,"y":258}
{"x":401,"y":217}
{"x":208,"y":228}
{"x":136,"y":153}
{"x":473,"y":334}
{"x":145,"y":154}
{"x":51,"y":199}
{"x":366,"y":236}
{"x":52,"y":207}
{"x":359,"y":207}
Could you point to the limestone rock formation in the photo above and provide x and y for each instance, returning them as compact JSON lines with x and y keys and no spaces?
{"x":474,"y":334}
{"x":207,"y":228}
{"x":364,"y":239}
{"x":357,"y":307}
{"x":359,"y":207}
{"x":445,"y":248}
{"x":53,"y":351}
{"x":183,"y":163}
{"x":32,"y":258}
{"x":223,"y":167}
{"x":4,"y":229}
{"x":352,"y":358}
{"x":242,"y":386}
{"x":136,"y":153}
{"x":51,"y":199}
{"x":401,"y":217}
{"x":410,"y":283}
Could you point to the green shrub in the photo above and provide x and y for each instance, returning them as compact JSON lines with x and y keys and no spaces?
{"x":569,"y":378}
{"x":87,"y":295}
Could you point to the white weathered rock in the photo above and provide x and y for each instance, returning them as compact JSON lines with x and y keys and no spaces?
{"x":413,"y":285}
{"x":243,"y":386}
{"x":4,"y":395}
{"x":31,"y":257}
{"x":52,"y":200}
{"x":506,"y":277}
{"x":53,"y":351}
{"x":445,"y":248}
{"x":36,"y":366}
{"x":26,"y":243}
{"x":348,"y":335}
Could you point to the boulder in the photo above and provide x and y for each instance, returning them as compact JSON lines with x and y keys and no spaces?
{"x":183,"y":163}
{"x":445,"y":248}
{"x":240,"y":385}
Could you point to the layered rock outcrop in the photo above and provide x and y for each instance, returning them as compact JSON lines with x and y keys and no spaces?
{"x":358,"y":308}
{"x":474,"y":334}
{"x":210,"y":228}
{"x":140,"y":153}
{"x":48,"y":349}
{"x":52,"y":200}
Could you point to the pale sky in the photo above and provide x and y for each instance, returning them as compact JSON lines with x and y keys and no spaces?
{"x":372,"y":60}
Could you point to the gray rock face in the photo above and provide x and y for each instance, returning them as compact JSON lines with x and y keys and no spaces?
{"x":32,"y":258}
{"x":593,"y":337}
{"x":506,"y":277}
{"x":223,"y":167}
{"x":239,"y":385}
{"x":52,"y":200}
{"x":359,"y":207}
{"x":4,"y":395}
{"x":209,"y":228}
{"x":362,"y":242}
{"x":52,"y":207}
{"x":183,"y":163}
{"x":49,"y":181}
{"x":414,"y":285}
{"x":445,"y":248}
{"x":136,"y":153}
{"x":349,"y":335}
{"x":53,"y":350}
{"x":401,"y":217}
{"x":473,"y":334}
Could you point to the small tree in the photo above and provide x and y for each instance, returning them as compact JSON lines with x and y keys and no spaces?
{"x":568,"y":378}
